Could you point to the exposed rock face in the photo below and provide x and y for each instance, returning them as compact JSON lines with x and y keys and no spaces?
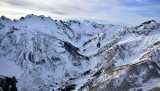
{"x":135,"y":76}
{"x":8,"y":84}
{"x":85,"y":56}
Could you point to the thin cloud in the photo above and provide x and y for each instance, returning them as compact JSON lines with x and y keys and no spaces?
{"x":111,"y":11}
{"x":17,"y":2}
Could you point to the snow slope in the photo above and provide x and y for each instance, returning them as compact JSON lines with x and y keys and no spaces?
{"x":9,"y":68}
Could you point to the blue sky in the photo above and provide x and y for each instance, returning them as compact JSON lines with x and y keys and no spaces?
{"x":121,"y":12}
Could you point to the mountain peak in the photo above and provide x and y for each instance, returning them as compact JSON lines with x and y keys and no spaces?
{"x":151,"y":24}
{"x":30,"y":15}
{"x":4,"y":18}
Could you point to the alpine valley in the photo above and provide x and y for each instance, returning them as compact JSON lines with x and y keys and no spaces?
{"x":38,"y":53}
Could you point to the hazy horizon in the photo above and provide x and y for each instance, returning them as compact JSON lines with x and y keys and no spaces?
{"x":118,"y":12}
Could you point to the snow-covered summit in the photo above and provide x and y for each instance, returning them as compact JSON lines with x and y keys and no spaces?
{"x":151,"y":24}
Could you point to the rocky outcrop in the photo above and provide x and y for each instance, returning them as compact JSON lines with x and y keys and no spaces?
{"x":8,"y":83}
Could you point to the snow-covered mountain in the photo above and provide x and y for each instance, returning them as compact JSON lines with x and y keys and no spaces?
{"x":45,"y":54}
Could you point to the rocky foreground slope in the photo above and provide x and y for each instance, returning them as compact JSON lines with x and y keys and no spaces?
{"x":43,"y":54}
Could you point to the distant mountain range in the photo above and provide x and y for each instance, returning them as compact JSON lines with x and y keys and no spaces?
{"x":38,"y":53}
